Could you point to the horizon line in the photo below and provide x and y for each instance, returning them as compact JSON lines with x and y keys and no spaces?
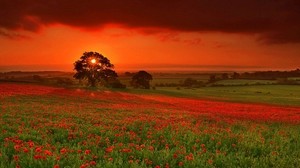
{"x":149,"y":67}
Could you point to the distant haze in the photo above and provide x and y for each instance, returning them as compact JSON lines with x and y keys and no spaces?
{"x":151,"y":68}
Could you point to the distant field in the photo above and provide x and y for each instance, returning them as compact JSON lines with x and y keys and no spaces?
{"x":168,"y":78}
{"x":177,"y":78}
{"x":233,"y":82}
{"x":240,"y":90}
{"x":50,"y":127}
{"x":272,"y":94}
{"x":295,"y":78}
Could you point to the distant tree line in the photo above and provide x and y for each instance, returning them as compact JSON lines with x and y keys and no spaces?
{"x":263,"y":75}
{"x":281,"y":77}
{"x":186,"y":83}
{"x":268,"y":75}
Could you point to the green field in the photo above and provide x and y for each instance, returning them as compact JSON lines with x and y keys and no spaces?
{"x":229,"y":123}
{"x":238,"y":82}
{"x":48,"y":127}
{"x":239,"y":90}
{"x":270,"y":94}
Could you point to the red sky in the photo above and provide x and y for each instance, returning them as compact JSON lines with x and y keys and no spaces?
{"x":136,"y":34}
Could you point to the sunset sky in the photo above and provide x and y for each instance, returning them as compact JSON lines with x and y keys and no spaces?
{"x":149,"y":34}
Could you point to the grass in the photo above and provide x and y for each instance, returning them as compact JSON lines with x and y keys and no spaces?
{"x":269,"y":94}
{"x":70,"y":128}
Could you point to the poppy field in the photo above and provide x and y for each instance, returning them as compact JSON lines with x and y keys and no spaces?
{"x":53,"y":127}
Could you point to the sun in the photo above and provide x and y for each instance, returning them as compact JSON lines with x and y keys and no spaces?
{"x":93,"y":61}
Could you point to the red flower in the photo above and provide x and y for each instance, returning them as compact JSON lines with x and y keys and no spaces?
{"x":25,"y":150}
{"x":31,"y":144}
{"x":189,"y":157}
{"x":63,"y":151}
{"x":84,"y":165}
{"x":109,"y":149}
{"x":17,"y":147}
{"x":37,"y":157}
{"x":167,"y":146}
{"x":38,"y":149}
{"x":210,"y":161}
{"x":151,"y":148}
{"x":93,"y":163}
{"x":126,"y":150}
{"x":87,"y":152}
{"x":16,"y":158}
{"x":180,"y":164}
{"x":48,"y":153}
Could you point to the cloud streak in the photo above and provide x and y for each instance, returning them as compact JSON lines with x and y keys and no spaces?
{"x":12,"y":35}
{"x":276,"y":21}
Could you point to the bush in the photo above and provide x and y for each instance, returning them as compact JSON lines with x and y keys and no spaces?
{"x":192,"y":83}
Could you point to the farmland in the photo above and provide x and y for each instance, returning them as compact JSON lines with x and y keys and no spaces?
{"x":268,"y":94}
{"x":44,"y":126}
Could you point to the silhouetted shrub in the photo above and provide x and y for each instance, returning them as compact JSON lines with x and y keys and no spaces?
{"x":141,"y":80}
{"x":192,"y":83}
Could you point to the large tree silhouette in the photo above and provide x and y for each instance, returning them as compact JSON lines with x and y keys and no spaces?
{"x":141,"y":79}
{"x":95,"y":68}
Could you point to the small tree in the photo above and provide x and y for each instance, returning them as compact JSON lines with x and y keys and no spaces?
{"x":95,"y":68}
{"x":141,"y":79}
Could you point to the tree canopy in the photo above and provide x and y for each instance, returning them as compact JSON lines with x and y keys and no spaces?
{"x":95,"y":68}
{"x":141,"y":80}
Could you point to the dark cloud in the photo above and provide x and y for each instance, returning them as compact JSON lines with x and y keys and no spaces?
{"x":277,"y":21}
